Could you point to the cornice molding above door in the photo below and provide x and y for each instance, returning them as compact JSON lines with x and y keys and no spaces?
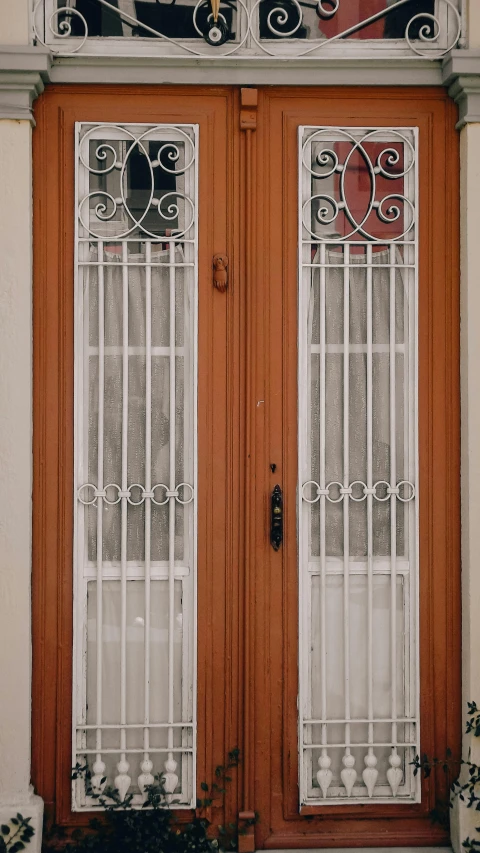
{"x":25,"y":70}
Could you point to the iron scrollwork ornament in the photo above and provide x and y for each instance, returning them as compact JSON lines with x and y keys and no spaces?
{"x":102,"y":213}
{"x":321,"y":159}
{"x":260,"y":24}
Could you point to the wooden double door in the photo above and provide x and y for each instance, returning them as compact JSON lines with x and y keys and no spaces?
{"x":249,"y":386}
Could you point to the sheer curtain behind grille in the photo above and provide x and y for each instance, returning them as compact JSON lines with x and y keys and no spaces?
{"x":340,"y":452}
{"x":357,"y":398}
{"x":126,"y":460}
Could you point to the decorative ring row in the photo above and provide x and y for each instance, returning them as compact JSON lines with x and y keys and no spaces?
{"x":135,"y":494}
{"x":358,"y":491}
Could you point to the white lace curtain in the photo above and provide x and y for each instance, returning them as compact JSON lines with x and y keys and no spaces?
{"x":127,"y":336}
{"x":357,"y":397}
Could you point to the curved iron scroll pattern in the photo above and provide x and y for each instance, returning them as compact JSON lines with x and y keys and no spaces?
{"x":101,"y":207}
{"x":427,"y":34}
{"x":324,"y":208}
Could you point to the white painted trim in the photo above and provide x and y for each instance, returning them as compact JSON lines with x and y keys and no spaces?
{"x":23,"y":73}
{"x":410,"y":789}
{"x":124,"y":570}
{"x":246,"y":71}
{"x":26,"y":69}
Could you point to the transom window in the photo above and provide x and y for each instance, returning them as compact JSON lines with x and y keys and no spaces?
{"x":220,"y":28}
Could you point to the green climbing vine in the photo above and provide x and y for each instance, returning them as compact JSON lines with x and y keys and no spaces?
{"x":466,"y":786}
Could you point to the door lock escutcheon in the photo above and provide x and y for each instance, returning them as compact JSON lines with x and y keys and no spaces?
{"x":276,"y":518}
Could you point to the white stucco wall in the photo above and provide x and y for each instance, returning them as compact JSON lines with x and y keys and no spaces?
{"x":14,"y":21}
{"x":16,"y":448}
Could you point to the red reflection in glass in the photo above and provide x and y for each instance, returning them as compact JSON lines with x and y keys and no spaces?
{"x":351,"y":13}
{"x":358,"y":182}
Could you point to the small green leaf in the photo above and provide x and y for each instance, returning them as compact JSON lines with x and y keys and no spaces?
{"x":5,"y":829}
{"x":204,"y":786}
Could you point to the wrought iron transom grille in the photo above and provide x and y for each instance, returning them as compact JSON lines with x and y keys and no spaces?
{"x":235,"y":28}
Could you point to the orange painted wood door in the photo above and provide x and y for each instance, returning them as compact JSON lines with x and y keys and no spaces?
{"x":272,"y":640}
{"x":248,"y":594}
{"x":219,"y":418}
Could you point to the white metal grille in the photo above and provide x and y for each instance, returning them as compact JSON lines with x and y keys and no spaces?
{"x":248,"y":28}
{"x":358,"y":546}
{"x":135,"y":451}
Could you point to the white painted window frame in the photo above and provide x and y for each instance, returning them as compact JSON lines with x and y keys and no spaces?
{"x":164,"y":570}
{"x":411,"y":790}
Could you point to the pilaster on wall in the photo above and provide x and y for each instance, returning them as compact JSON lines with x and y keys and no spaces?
{"x":465,"y":820}
{"x":16,"y":467}
{"x":20,"y":82}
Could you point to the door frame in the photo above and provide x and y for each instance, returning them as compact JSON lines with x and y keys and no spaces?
{"x":258,"y":434}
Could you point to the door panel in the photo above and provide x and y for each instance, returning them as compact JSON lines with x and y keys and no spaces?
{"x":218,"y":540}
{"x":276,"y":641}
{"x":248,"y":594}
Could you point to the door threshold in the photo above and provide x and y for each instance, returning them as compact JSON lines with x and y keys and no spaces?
{"x":365,"y":850}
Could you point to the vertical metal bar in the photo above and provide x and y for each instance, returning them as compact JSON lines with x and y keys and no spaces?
{"x":101,"y":392}
{"x":414,"y":556}
{"x":369,"y":491}
{"x":323,"y":566}
{"x":346,"y":481}
{"x":393,"y":497}
{"x":413,"y":476}
{"x":123,"y":546}
{"x":148,"y":486}
{"x":306,"y":284}
{"x":171,"y":502}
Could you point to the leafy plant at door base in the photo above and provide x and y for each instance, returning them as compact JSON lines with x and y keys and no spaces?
{"x":16,"y":834}
{"x":153,"y":828}
{"x":466,"y":787}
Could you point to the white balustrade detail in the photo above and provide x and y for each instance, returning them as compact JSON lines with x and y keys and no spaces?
{"x":146,"y":777}
{"x":394,"y":773}
{"x":370,"y":774}
{"x":358,"y":464}
{"x":135,"y":446}
{"x":99,"y":779}
{"x":123,"y":780}
{"x":348,"y":774}
{"x":170,"y":778}
{"x":324,"y":774}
